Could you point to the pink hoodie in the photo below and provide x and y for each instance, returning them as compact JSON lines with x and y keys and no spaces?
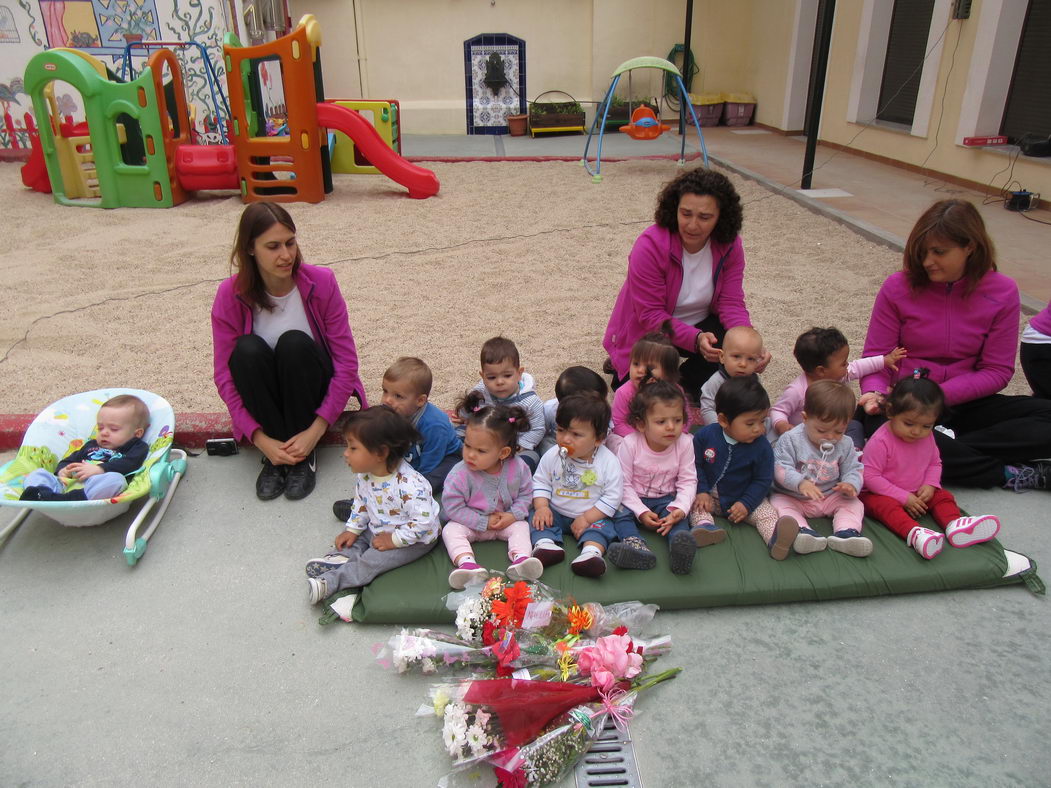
{"x":649,"y":294}
{"x":968,"y":342}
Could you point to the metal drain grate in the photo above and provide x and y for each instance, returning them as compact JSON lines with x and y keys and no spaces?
{"x":610,"y":761}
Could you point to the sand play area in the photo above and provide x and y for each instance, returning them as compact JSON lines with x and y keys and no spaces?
{"x":535,"y":251}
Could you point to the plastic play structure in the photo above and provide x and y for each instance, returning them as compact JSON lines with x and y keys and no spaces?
{"x":644,"y":124}
{"x":64,"y":427}
{"x":137,"y":147}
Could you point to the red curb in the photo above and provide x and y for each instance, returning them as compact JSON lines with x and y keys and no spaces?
{"x":454,"y":159}
{"x":191,"y":430}
{"x":15,"y":154}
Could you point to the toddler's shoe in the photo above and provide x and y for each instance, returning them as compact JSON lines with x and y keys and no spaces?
{"x":588,"y":564}
{"x":631,"y":553}
{"x":966,"y":531}
{"x":926,"y":542}
{"x":33,"y":492}
{"x":525,"y":568}
{"x":548,"y":552}
{"x":318,"y":566}
{"x":786,"y":529}
{"x":318,"y":589}
{"x":343,"y":509}
{"x":851,"y":542}
{"x":705,"y":534}
{"x":467,"y":573}
{"x":809,"y":541}
{"x":682,"y":551}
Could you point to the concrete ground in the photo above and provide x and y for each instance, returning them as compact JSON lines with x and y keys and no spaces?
{"x":204,"y":664}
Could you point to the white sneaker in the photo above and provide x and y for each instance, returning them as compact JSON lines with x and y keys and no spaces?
{"x":966,"y":531}
{"x":808,"y":541}
{"x":318,"y":589}
{"x":525,"y":568}
{"x":467,"y":574}
{"x":926,"y":542}
{"x":318,"y":566}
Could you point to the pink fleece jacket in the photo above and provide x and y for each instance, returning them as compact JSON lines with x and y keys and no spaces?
{"x":649,"y":294}
{"x":967,"y":341}
{"x":896,"y":468}
{"x":327,"y":312}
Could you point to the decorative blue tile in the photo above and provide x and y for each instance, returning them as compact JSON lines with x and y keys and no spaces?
{"x":487,"y":111}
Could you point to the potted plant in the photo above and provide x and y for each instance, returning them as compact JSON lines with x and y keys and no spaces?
{"x":555,"y":115}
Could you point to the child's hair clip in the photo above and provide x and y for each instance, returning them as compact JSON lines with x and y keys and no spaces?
{"x":476,"y":408}
{"x":510,"y":419}
{"x":920,"y":372}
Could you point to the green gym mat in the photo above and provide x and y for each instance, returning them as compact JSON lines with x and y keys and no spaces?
{"x":737,"y":572}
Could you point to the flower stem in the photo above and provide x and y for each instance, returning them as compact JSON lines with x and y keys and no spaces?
{"x":650,"y":681}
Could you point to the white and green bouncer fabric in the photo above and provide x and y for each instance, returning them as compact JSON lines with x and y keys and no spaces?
{"x":68,"y":424}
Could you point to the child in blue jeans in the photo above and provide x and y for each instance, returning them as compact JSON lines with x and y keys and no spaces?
{"x":577,"y":487}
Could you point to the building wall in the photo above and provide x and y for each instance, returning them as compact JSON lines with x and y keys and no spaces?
{"x":938,"y":148}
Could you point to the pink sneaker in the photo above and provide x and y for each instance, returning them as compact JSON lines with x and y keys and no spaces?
{"x":926,"y":542}
{"x":966,"y":531}
{"x":467,"y":573}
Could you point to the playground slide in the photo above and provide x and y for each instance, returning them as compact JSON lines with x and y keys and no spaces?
{"x":34,"y":171}
{"x":420,"y":182}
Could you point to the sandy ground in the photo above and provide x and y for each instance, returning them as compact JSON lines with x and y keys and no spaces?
{"x":535,"y":251}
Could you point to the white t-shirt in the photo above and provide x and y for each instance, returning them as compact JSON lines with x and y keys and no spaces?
{"x":1033,"y":337}
{"x":288,"y":315}
{"x":695,"y":295}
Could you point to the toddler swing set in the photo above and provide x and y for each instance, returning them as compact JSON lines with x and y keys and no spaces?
{"x":644,"y":123}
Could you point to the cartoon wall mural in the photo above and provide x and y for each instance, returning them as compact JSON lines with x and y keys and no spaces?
{"x":103,"y":28}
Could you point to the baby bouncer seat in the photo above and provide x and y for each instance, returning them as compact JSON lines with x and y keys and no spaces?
{"x":64,"y":427}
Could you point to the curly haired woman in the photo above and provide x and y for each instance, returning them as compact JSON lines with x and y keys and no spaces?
{"x":685,"y":276}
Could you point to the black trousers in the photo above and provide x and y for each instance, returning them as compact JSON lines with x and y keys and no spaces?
{"x":695,"y":369}
{"x":1036,"y":364}
{"x":990,"y":432}
{"x":283,"y":387}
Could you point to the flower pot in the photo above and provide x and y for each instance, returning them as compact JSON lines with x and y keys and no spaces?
{"x":517,"y":125}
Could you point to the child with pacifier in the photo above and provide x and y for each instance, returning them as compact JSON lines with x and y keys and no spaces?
{"x":101,"y":466}
{"x":735,"y":467}
{"x":577,"y":487}
{"x":739,"y":357}
{"x":817,"y":473}
{"x":487,"y":494}
{"x":653,"y":356}
{"x":822,"y":355}
{"x":660,"y":480}
{"x":394,"y":519}
{"x":903,"y":473}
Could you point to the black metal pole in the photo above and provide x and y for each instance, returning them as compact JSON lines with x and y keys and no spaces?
{"x":826,"y":12}
{"x":686,"y":65}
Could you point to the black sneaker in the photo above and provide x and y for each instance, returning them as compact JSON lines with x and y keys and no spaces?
{"x":301,"y":478}
{"x":343,"y":509}
{"x":271,"y":481}
{"x":1029,"y":476}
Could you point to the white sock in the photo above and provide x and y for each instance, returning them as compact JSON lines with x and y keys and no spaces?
{"x":468,"y":559}
{"x":587,"y":551}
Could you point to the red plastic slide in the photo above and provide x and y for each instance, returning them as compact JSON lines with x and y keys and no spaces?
{"x":420,"y":182}
{"x":34,"y":171}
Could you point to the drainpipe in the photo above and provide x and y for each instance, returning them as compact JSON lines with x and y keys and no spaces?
{"x":359,"y":40}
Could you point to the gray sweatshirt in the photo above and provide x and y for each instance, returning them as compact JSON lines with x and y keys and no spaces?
{"x":796,"y":459}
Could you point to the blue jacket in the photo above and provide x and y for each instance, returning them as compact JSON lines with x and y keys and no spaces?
{"x":740,"y":471}
{"x":438,"y":439}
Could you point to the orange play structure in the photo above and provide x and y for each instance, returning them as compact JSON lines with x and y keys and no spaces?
{"x":644,"y":125}
{"x":292,"y":167}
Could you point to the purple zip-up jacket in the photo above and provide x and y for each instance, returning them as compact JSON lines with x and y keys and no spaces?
{"x":327,"y":312}
{"x":968,"y":342}
{"x":651,"y":290}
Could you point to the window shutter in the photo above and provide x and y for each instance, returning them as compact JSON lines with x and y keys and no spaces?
{"x":1028,"y":109}
{"x":910,"y":27}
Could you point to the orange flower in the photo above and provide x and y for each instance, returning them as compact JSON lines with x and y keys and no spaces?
{"x":580,"y":618}
{"x":511,"y":609}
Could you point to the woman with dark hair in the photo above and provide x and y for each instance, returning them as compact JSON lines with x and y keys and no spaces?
{"x":285,"y":362}
{"x":684,"y":278}
{"x":958,"y":317}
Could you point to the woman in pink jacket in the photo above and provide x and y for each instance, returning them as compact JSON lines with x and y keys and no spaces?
{"x":685,"y":276}
{"x":958,"y":317}
{"x":284,"y":359}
